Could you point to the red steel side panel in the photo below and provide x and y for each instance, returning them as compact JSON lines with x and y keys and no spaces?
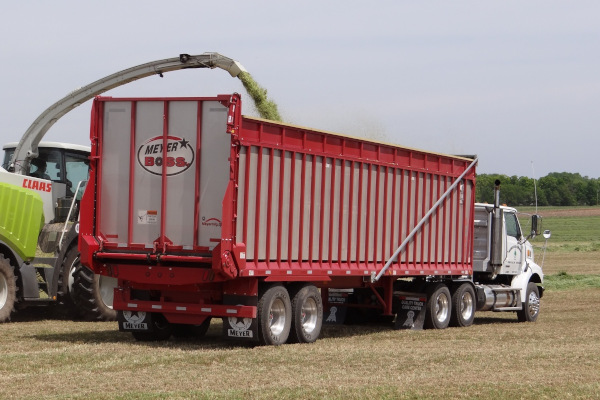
{"x":340,"y":206}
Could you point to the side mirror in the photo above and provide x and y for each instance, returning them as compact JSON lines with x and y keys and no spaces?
{"x":547,"y":234}
{"x":536,"y":224}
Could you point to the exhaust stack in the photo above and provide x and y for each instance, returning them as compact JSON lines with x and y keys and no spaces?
{"x":497,"y":256}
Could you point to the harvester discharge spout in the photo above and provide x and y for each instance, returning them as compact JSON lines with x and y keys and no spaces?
{"x":27,"y":149}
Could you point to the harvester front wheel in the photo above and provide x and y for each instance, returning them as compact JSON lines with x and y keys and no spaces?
{"x":8,"y":289}
{"x":66,"y":282}
{"x":94,"y":294}
{"x":274,"y":316}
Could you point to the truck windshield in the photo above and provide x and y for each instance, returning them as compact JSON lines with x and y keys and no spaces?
{"x":512,"y":225}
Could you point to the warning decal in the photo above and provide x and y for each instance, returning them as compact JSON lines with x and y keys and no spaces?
{"x":147,"y":217}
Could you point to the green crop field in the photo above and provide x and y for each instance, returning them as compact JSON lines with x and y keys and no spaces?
{"x":496,"y":358}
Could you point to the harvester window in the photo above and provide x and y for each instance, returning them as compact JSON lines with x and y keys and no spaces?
{"x":512,"y":225}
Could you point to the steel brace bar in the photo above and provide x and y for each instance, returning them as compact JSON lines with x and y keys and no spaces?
{"x":418,"y":227}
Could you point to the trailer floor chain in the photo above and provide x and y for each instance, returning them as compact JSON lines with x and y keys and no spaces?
{"x":8,"y":289}
{"x":88,"y":293}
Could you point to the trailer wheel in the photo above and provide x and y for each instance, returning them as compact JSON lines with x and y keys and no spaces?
{"x":94,"y":294}
{"x":439,"y":307}
{"x":307,"y":315}
{"x":274,"y":316}
{"x":463,"y":306}
{"x":531,"y":307}
{"x":161,"y":330}
{"x":8,"y":289}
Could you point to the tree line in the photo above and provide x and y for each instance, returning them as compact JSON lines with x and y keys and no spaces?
{"x":554,"y":189}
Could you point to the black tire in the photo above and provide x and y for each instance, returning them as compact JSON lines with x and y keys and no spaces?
{"x":161,"y":330}
{"x":191,"y":331}
{"x":307,"y":315}
{"x":463,"y":306}
{"x":439,"y":307}
{"x":93,"y":294}
{"x":274,"y":316}
{"x":8,"y":289}
{"x":531,"y":306}
{"x":66,"y":278}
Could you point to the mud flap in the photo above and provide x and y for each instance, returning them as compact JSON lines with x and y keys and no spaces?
{"x":335,"y":310}
{"x":411,"y":311}
{"x":135,"y":321}
{"x":238,"y":327}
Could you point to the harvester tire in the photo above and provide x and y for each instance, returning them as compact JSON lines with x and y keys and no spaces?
{"x":307,"y":315}
{"x":274,"y":316}
{"x":66,"y":281}
{"x":93,"y":294}
{"x":463,"y":306}
{"x":8,"y":289}
{"x":531,"y":306}
{"x":439,"y":307}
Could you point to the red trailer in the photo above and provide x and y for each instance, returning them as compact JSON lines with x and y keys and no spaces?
{"x":202,"y":212}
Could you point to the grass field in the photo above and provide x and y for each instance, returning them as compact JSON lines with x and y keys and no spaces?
{"x":497,"y":357}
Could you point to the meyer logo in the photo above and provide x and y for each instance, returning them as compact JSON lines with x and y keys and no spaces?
{"x":134,"y":320}
{"x":180,"y":155}
{"x":240,"y":327}
{"x":211,"y":222}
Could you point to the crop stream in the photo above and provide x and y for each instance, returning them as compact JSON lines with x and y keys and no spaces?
{"x":266,"y":108}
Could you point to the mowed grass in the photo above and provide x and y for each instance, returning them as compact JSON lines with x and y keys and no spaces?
{"x":574,"y":246}
{"x":497,"y":357}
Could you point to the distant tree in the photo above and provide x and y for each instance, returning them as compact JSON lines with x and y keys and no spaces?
{"x":555,"y":189}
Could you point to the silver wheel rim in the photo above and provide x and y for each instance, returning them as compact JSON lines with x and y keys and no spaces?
{"x":3,"y":291}
{"x":466,"y":306}
{"x":533,"y":304}
{"x":107,"y":287}
{"x":309,"y":315}
{"x":277,"y":317}
{"x":441,"y":307}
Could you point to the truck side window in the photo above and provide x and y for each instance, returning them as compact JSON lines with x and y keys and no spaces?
{"x":512,"y":225}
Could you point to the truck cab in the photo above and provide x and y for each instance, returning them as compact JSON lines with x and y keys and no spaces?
{"x":504,"y":269}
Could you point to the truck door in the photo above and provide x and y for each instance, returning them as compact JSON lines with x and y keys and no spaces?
{"x":514,"y":252}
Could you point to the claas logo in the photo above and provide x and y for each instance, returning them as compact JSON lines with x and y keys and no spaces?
{"x":179,"y":157}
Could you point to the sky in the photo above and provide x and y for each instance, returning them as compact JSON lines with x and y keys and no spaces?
{"x":516,"y":83}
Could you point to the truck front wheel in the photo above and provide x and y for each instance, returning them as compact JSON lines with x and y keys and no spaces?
{"x":274,"y":316}
{"x":531,"y":307}
{"x":439,"y":307}
{"x":307,"y":315}
{"x":8,"y":289}
{"x":463,"y":306}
